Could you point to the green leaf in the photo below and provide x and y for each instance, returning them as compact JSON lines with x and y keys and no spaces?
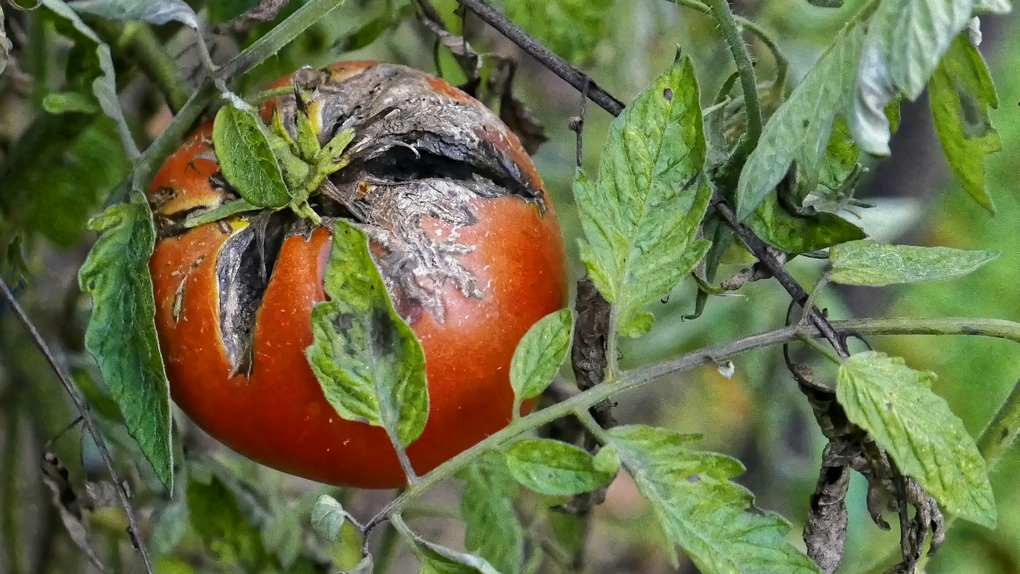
{"x":152,"y":11}
{"x":960,"y":92}
{"x":895,"y":404}
{"x":905,"y":41}
{"x":246,"y":159}
{"x":795,"y":233}
{"x":224,"y":211}
{"x":104,"y":86}
{"x":641,"y":217}
{"x":328,"y":517}
{"x":554,"y":468}
{"x":436,"y":559}
{"x":540,"y":353}
{"x":64,"y":102}
{"x":218,"y":520}
{"x":992,"y":6}
{"x":493,"y":530}
{"x":368,"y":361}
{"x":800,"y":129}
{"x":700,"y":509}
{"x":121,"y":334}
{"x":877,"y":264}
{"x":571,"y":28}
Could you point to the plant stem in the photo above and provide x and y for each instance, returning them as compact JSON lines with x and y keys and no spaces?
{"x":1002,"y":431}
{"x":157,"y":63}
{"x":722,"y":14}
{"x":708,"y":355}
{"x":782,"y":62}
{"x":565,"y":70}
{"x":593,"y":426}
{"x":820,"y":349}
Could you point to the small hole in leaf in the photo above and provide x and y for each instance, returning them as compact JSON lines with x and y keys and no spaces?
{"x":694,"y":478}
{"x":668,"y":94}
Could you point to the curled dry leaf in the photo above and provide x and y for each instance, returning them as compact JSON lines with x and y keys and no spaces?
{"x":460,"y":228}
{"x":69,"y":507}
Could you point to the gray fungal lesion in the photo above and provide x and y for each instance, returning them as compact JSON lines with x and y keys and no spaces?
{"x":416,"y":153}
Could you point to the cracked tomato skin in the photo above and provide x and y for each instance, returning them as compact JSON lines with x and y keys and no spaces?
{"x":277,"y":414}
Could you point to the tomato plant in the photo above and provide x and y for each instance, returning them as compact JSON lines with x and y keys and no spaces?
{"x":351,"y":271}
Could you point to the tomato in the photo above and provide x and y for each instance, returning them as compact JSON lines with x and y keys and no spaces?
{"x":462,"y":232}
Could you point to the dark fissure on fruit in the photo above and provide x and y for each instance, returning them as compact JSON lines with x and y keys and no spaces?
{"x":242,"y":273}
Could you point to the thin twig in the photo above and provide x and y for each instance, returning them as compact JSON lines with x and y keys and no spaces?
{"x":568,"y":72}
{"x":83,"y":411}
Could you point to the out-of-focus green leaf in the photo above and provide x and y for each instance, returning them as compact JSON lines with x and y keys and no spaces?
{"x":121,"y":334}
{"x":700,"y":509}
{"x":105,"y":85}
{"x":641,"y":217}
{"x":539,"y":355}
{"x":992,"y":6}
{"x":246,"y":159}
{"x":368,"y":361}
{"x":826,"y":3}
{"x":218,"y":520}
{"x":64,"y":102}
{"x":960,"y":93}
{"x":929,"y":443}
{"x":905,"y":41}
{"x":877,"y":264}
{"x":801,"y":128}
{"x":555,"y":468}
{"x":221,"y":11}
{"x":64,"y":194}
{"x":571,"y":28}
{"x":493,"y":530}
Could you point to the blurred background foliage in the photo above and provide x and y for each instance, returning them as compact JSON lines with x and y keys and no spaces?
{"x":60,"y":159}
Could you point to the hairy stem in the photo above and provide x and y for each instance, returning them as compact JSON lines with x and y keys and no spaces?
{"x":708,"y":355}
{"x":731,"y":34}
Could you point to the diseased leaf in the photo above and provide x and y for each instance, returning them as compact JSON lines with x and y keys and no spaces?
{"x":104,"y":86}
{"x":799,"y":233}
{"x":152,"y":11}
{"x":960,"y":92}
{"x":800,"y":129}
{"x":121,"y":334}
{"x":876,"y":264}
{"x":905,"y":41}
{"x":246,"y":159}
{"x":493,"y":530}
{"x":539,"y":355}
{"x":700,"y":509}
{"x":436,"y":559}
{"x":218,"y":520}
{"x":368,"y":361}
{"x":641,"y":217}
{"x":895,"y":404}
{"x":555,"y":468}
{"x":571,"y":28}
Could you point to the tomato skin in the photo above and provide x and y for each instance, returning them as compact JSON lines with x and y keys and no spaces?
{"x":278,"y":415}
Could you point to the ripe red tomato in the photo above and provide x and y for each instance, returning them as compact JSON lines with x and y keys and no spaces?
{"x":463,"y":233}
